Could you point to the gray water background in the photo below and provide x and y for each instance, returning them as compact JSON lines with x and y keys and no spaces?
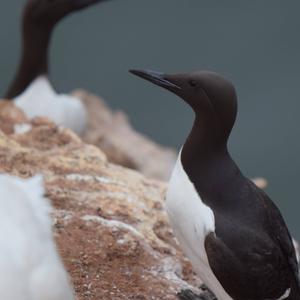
{"x":254,"y":43}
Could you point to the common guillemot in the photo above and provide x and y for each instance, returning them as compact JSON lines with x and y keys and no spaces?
{"x":31,"y":89}
{"x":30,"y":267}
{"x":231,"y":231}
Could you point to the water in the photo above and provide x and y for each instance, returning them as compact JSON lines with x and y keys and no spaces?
{"x":253,"y":43}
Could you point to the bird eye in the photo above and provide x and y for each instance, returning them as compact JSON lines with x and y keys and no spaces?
{"x":192,"y":83}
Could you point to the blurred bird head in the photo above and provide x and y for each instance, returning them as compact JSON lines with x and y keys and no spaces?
{"x":47,"y":13}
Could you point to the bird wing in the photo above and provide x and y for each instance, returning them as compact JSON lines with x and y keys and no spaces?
{"x":248,"y":270}
{"x":279,"y":231}
{"x":252,"y":263}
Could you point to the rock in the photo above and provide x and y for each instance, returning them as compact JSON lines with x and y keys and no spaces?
{"x":110,"y":225}
{"x":10,"y":116}
{"x":112,"y":132}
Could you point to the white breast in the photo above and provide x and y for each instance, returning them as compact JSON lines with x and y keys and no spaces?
{"x":30,"y":268}
{"x":191,"y":221}
{"x":40,"y":99}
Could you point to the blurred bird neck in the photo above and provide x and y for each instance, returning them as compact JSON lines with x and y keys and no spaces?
{"x":34,"y":58}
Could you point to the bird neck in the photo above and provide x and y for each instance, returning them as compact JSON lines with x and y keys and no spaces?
{"x":205,"y":157}
{"x":34,"y":58}
{"x":206,"y":139}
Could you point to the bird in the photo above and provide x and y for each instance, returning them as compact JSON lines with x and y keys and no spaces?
{"x":30,"y":267}
{"x":31,"y":89}
{"x":232,"y":232}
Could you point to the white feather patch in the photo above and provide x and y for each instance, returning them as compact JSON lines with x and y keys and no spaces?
{"x":22,"y":128}
{"x":285,"y":295}
{"x":40,"y":100}
{"x":30,"y":268}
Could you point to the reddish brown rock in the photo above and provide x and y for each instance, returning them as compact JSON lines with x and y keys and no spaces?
{"x":109,"y":221}
{"x":10,"y":115}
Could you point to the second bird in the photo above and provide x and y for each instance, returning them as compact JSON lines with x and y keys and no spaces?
{"x":31,"y":89}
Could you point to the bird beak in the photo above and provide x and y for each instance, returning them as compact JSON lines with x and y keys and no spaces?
{"x":156,"y":78}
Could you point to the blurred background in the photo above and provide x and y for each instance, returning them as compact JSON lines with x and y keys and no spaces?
{"x":253,"y":43}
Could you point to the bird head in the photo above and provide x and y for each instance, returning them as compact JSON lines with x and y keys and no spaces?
{"x":211,"y":96}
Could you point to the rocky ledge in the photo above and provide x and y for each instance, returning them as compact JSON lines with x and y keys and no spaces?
{"x":109,"y":221}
